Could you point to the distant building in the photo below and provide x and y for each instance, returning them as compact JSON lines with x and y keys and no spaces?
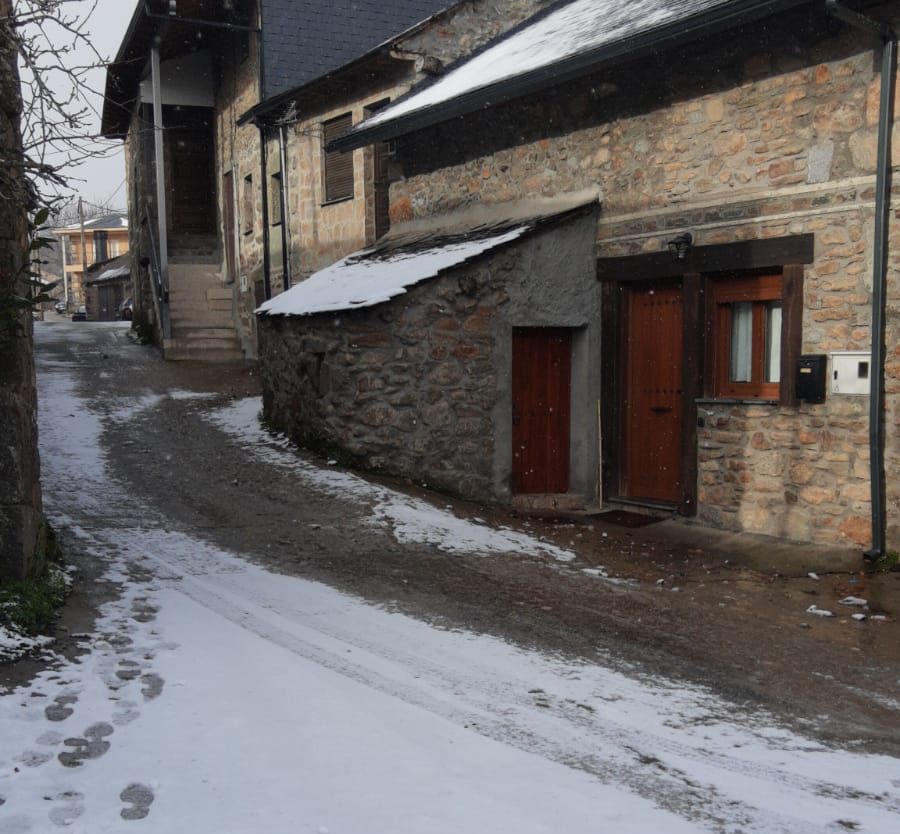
{"x":105,"y":237}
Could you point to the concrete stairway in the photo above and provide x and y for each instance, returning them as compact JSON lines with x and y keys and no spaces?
{"x":200,"y":309}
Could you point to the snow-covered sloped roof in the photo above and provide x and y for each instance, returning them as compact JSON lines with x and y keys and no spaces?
{"x":572,"y":36}
{"x":416,"y":252}
{"x":118,"y":272}
{"x":107,"y":221}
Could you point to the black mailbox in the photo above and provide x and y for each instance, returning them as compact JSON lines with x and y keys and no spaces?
{"x":811,"y":375}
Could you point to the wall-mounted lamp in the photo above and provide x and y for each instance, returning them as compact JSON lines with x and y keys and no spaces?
{"x":228,"y":5}
{"x":680,"y":245}
{"x":172,"y":8}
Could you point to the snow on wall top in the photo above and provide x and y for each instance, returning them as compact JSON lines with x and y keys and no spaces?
{"x":577,"y":27}
{"x":370,"y":277}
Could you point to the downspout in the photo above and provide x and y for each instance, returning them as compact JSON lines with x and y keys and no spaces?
{"x":264,"y":164}
{"x":285,"y":225}
{"x":161,"y":223}
{"x":879,"y":271}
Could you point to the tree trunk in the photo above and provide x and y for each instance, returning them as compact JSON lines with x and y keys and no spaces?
{"x":21,"y":523}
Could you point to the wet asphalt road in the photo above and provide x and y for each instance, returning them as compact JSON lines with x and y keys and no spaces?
{"x":741,"y":633}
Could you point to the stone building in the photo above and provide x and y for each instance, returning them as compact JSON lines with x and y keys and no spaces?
{"x":320,"y":206}
{"x":207,"y":232}
{"x":741,"y":251}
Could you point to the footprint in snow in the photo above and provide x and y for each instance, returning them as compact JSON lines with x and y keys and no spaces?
{"x":138,"y":798}
{"x":152,"y":686}
{"x":69,"y":809}
{"x":60,"y":709}
{"x":92,"y":746}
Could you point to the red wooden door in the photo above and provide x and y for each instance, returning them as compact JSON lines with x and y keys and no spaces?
{"x":653,"y":404}
{"x":541,"y":381}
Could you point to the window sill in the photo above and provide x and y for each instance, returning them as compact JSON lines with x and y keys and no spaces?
{"x":735,"y":401}
{"x":338,"y":200}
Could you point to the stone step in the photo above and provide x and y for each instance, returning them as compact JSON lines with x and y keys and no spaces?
{"x":553,"y":501}
{"x":194,"y":333}
{"x":182,"y":353}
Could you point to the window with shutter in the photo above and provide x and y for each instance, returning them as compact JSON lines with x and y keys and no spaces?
{"x":338,"y":166}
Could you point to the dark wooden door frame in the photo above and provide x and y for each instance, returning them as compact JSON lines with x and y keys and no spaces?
{"x":786,"y":253}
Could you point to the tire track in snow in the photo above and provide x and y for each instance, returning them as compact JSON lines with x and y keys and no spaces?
{"x":626,"y":760}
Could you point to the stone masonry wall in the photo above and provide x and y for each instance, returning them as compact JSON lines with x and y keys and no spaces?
{"x":768,"y":135}
{"x":407,"y":386}
{"x":20,"y":490}
{"x":322,"y":233}
{"x":238,"y":151}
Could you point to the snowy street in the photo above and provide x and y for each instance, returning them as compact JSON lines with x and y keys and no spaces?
{"x":219,"y":691}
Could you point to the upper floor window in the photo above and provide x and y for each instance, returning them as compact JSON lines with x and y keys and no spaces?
{"x":338,"y":165}
{"x":248,"y":203}
{"x":747,"y":336}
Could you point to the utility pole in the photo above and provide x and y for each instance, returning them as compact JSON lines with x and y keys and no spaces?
{"x":83,"y":250}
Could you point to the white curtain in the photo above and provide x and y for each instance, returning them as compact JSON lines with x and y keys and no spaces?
{"x":741,"y":342}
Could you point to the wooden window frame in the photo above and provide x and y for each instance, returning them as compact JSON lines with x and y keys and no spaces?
{"x":338,"y":183}
{"x":758,"y":290}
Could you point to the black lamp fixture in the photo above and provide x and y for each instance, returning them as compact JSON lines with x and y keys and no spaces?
{"x":680,"y":245}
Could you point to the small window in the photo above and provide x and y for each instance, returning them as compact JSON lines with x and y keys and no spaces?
{"x":247,"y":205}
{"x":275,"y":198}
{"x":338,"y":165}
{"x":747,"y":327}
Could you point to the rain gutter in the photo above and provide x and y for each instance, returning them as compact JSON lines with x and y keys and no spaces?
{"x":879,"y":267}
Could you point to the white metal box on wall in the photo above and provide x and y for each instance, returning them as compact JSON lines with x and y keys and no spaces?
{"x":851,"y":372}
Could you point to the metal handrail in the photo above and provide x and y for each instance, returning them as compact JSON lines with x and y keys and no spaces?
{"x":161,"y":291}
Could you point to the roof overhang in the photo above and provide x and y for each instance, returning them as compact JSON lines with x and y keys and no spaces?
{"x":420,"y":250}
{"x":675,"y":33}
{"x":188,"y":30}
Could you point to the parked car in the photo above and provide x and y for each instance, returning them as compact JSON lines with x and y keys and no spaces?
{"x":60,"y":307}
{"x":126,"y":310}
{"x":80,"y":314}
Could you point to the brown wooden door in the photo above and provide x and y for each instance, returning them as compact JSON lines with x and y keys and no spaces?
{"x":653,"y":391}
{"x":541,"y":382}
{"x":190,"y":152}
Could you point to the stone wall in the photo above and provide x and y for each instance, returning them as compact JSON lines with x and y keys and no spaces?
{"x":238,"y":151}
{"x":406,"y":387}
{"x":765,"y":136}
{"x":420,"y":386}
{"x":20,"y":492}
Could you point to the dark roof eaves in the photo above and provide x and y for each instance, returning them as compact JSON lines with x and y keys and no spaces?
{"x":566,"y":70}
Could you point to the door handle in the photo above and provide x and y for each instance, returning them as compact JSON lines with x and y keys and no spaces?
{"x":660,"y":409}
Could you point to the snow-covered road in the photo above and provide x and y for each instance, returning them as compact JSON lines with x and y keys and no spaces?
{"x":217,"y":696}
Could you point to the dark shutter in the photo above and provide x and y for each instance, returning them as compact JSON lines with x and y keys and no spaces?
{"x":338,"y":164}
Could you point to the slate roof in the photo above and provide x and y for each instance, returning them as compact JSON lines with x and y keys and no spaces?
{"x":420,"y":250}
{"x":107,"y":221}
{"x":571,"y":38}
{"x":305,"y":39}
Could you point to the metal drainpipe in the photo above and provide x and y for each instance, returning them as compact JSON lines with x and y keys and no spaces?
{"x":285,"y":225}
{"x":162,"y":228}
{"x":264,"y":163}
{"x":882,"y":218}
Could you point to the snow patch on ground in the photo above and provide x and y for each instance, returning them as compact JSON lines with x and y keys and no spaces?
{"x":412,"y":520}
{"x":14,"y":644}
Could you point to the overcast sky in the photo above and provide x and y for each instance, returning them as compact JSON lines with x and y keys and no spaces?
{"x":103,"y":179}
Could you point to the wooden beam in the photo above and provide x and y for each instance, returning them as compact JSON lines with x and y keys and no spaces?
{"x":725,"y":257}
